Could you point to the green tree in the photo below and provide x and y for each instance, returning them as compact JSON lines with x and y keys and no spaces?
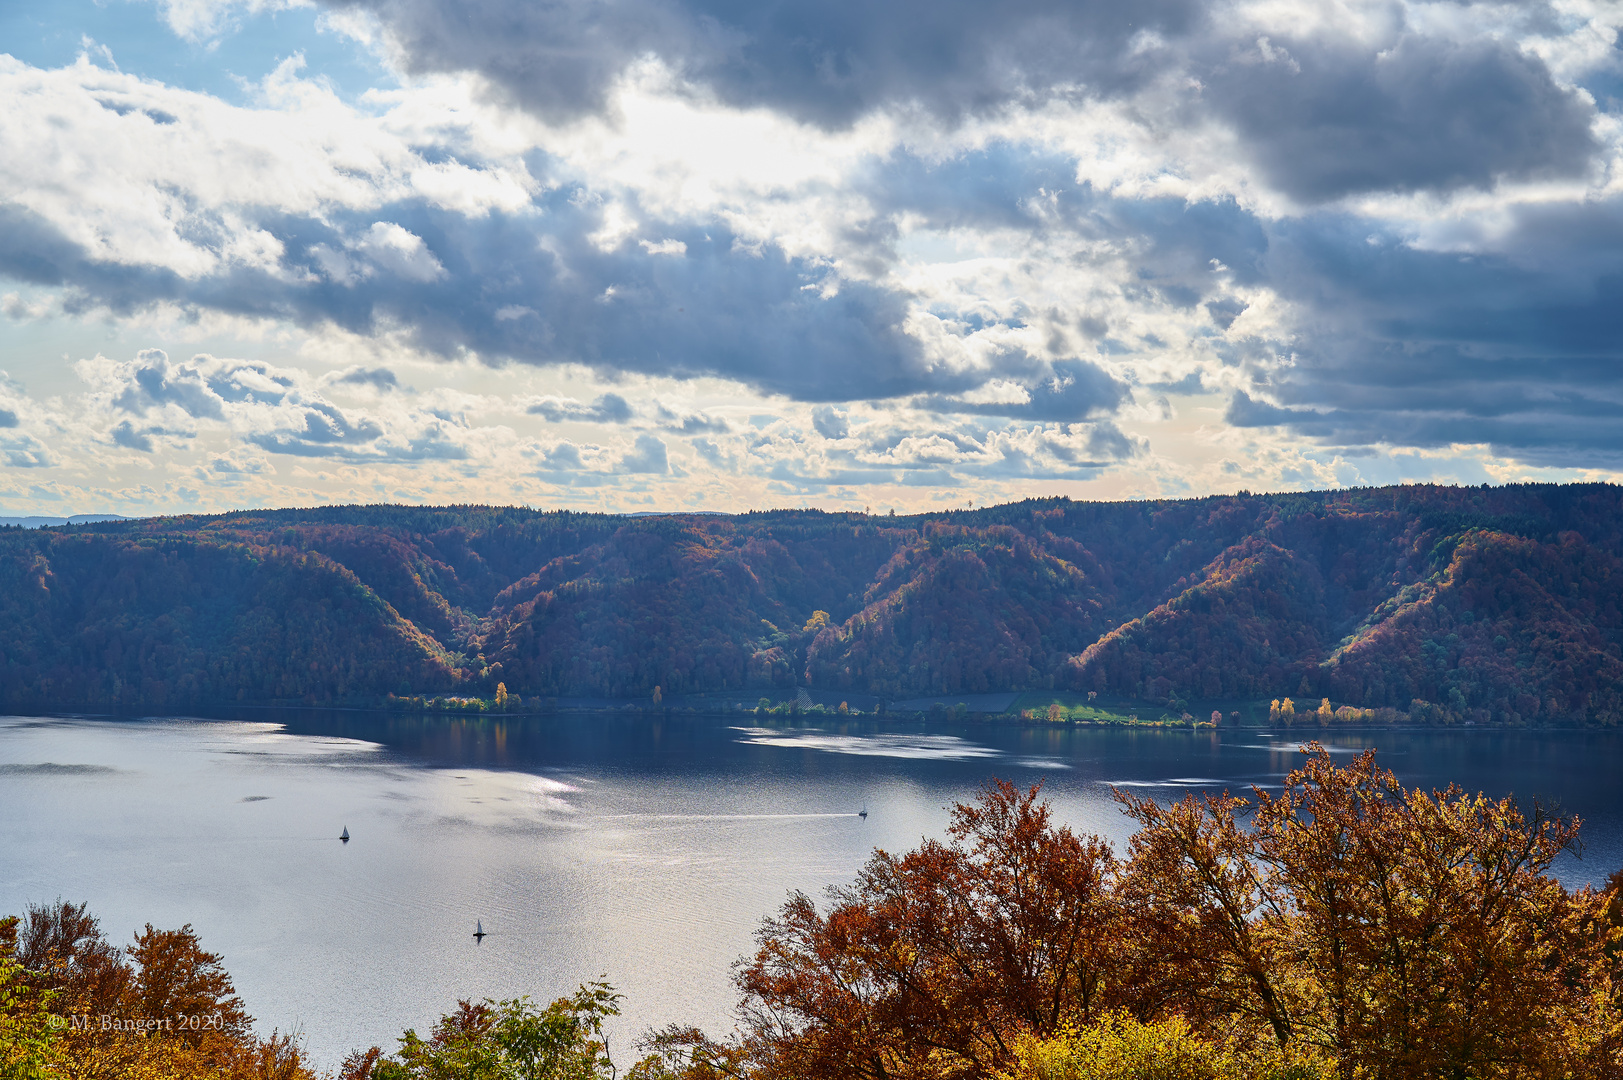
{"x":29,"y":1048}
{"x":505,"y":1040}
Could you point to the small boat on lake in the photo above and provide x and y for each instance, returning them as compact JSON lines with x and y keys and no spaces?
{"x":344,"y":836}
{"x":863,"y":813}
{"x":479,"y":931}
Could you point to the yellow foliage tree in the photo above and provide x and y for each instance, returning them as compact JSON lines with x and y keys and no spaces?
{"x":1119,"y":1047}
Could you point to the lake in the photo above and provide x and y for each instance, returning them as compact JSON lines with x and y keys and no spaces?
{"x":643,"y":850}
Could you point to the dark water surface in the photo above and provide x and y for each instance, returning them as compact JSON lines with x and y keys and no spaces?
{"x":643,"y":850}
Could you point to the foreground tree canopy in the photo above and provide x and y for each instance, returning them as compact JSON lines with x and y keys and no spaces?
{"x":1444,"y":605}
{"x":1344,"y":928}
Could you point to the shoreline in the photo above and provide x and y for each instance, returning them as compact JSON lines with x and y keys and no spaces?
{"x":674,"y":712}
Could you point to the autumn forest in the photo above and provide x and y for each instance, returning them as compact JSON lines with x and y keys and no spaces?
{"x":1432,"y":604}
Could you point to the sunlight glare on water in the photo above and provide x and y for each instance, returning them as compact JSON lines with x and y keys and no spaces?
{"x":646,"y":851}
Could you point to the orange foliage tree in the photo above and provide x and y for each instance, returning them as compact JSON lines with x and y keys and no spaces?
{"x":1347,"y":922}
{"x":939,"y":955}
{"x":171,"y":1012}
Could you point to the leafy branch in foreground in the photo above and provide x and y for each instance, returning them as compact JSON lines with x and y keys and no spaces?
{"x":1346,"y":924}
{"x":75,"y":1007}
{"x":503,"y":1040}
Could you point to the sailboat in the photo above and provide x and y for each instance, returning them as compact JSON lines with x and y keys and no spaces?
{"x":479,"y":931}
{"x":863,"y":813}
{"x":344,"y":836}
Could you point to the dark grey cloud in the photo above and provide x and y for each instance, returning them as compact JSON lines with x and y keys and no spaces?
{"x":380,"y":379}
{"x":713,"y":453}
{"x":321,"y":430}
{"x":25,"y":452}
{"x":648,"y":456}
{"x":692,"y":423}
{"x":437,"y":442}
{"x":607,"y":409}
{"x":1326,"y":118}
{"x":1539,"y":432}
{"x":830,"y":423}
{"x":1106,"y":442}
{"x":1224,"y":311}
{"x":565,"y":457}
{"x":1520,"y":349}
{"x":827,"y":63}
{"x":122,"y":108}
{"x":764,"y":318}
{"x":1323,"y":115}
{"x":1072,"y":390}
{"x":1426,"y":349}
{"x":125,"y":435}
{"x":156,"y":382}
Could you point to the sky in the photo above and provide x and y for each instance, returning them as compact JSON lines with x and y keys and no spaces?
{"x":634,"y":255}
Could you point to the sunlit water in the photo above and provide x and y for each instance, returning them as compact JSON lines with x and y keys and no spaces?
{"x":644,"y":851}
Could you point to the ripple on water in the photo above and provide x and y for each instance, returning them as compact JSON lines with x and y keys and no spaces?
{"x":911,"y":746}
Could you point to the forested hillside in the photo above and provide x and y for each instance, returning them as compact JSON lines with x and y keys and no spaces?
{"x":1454,"y":604}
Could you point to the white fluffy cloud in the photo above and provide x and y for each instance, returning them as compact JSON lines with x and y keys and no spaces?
{"x":1252,"y":242}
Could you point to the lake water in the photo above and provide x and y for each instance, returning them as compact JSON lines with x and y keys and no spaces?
{"x":646,"y":851}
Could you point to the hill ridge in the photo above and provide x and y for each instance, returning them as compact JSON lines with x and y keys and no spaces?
{"x":1500,"y":604}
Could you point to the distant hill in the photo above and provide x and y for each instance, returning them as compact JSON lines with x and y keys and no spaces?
{"x":1500,"y":605}
{"x":42,"y":522}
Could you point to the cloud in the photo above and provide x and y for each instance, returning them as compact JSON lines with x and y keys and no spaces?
{"x":203,"y":20}
{"x":647,"y":457}
{"x":24,"y":452}
{"x":711,"y":451}
{"x":205,"y":388}
{"x":607,"y":409}
{"x":565,"y":457}
{"x":396,"y":251}
{"x":1382,"y":228}
{"x":692,"y":423}
{"x":826,"y":64}
{"x":829,"y":422}
{"x":380,"y":379}
{"x":237,"y":463}
{"x":775,"y":322}
{"x":317,"y":429}
{"x":153,"y":382}
{"x":435,"y":440}
{"x":1075,"y":390}
{"x":126,"y":436}
{"x":1518,"y":349}
{"x":1328,"y":118}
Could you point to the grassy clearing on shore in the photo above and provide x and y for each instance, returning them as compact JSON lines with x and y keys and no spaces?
{"x":1039,"y":705}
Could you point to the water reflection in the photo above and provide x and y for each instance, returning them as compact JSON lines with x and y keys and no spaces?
{"x":644,"y":850}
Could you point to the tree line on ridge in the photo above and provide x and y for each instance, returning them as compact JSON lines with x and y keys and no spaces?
{"x":1445,"y":605}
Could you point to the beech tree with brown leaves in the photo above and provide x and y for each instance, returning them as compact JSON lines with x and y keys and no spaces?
{"x":931,"y":961}
{"x":1410,"y":934}
{"x":1393,"y":934}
